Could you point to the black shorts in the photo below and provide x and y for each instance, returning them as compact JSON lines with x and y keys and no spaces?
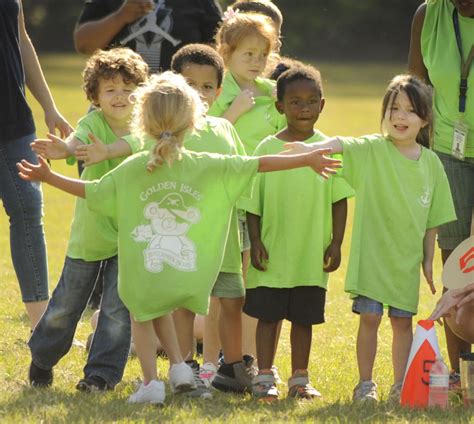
{"x":302,"y":305}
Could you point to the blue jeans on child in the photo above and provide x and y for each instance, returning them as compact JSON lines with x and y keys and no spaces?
{"x":53,"y":336}
{"x":23,"y":203}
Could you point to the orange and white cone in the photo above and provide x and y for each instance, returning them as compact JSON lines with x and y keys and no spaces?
{"x":423,"y":353}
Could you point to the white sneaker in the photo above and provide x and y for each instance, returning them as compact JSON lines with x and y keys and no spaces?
{"x":181,"y":378}
{"x":365,"y":391}
{"x":207,"y":373}
{"x":154,"y":392}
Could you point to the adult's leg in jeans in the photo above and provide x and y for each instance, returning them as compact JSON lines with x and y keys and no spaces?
{"x":111,"y":343}
{"x":53,"y":335}
{"x":23,"y":203}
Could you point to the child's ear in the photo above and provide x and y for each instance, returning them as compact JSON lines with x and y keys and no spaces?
{"x":321,"y":104}
{"x":218,"y":91}
{"x":279,"y":106}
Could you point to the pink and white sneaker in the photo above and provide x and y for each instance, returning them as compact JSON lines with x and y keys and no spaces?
{"x":207,"y":373}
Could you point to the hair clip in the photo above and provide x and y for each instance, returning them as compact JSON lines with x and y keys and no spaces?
{"x":229,"y":14}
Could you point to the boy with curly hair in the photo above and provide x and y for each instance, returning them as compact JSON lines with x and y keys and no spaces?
{"x":109,"y":79}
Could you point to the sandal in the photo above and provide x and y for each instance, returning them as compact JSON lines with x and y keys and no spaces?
{"x":300,"y":388}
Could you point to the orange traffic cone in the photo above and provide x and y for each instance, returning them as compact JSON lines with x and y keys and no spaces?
{"x":423,"y":353}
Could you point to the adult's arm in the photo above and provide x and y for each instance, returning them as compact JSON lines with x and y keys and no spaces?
{"x":98,"y":34}
{"x":415,"y":57}
{"x":37,"y":84}
{"x":212,"y":17}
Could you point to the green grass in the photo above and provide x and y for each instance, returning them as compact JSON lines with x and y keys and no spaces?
{"x":354,"y":94}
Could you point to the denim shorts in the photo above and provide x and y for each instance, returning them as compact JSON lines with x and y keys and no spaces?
{"x":461,"y":181}
{"x":364,"y":305}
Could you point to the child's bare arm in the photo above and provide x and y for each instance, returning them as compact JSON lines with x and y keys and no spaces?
{"x":43,"y":173}
{"x":54,"y":147}
{"x":258,"y":252}
{"x":332,"y":256}
{"x":334,"y":144}
{"x":313,"y":158}
{"x":428,"y":255}
{"x":97,"y":152}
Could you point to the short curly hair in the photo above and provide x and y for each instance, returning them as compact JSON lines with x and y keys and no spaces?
{"x":107,"y":64}
{"x":198,"y":54}
{"x":299,"y":72}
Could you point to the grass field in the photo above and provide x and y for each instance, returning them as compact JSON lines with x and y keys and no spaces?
{"x":354,"y":94}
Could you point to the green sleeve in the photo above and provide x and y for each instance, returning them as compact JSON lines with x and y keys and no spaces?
{"x":340,"y":189}
{"x":101,"y":196}
{"x":442,"y":206}
{"x":355,"y":152}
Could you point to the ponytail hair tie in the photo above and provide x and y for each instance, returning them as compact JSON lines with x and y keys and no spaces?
{"x":166,"y":135}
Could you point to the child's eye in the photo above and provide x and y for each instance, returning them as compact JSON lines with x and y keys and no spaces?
{"x":208,"y":87}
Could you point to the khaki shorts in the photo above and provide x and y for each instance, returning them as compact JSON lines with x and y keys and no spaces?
{"x":228,"y":285}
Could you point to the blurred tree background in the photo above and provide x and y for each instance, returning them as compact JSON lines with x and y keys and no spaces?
{"x":316,"y":29}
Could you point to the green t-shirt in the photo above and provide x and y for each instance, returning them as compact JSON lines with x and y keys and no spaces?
{"x":295,"y":207}
{"x":172,"y":227}
{"x":442,"y":60}
{"x":213,"y":135}
{"x":260,"y":121}
{"x":397,"y":200}
{"x":93,"y":237}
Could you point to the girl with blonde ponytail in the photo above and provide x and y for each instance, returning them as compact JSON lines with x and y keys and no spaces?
{"x":172,"y":222}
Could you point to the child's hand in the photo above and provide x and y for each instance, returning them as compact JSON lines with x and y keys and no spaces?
{"x":243,"y":102}
{"x":332,"y":257}
{"x":93,"y":153}
{"x":52,"y":147}
{"x":30,"y":172}
{"x":428,"y":273}
{"x":321,"y":164}
{"x":258,"y":255}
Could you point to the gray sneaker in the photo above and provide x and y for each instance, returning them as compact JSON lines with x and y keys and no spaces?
{"x":235,"y":377}
{"x":365,"y":391}
{"x":201,"y":391}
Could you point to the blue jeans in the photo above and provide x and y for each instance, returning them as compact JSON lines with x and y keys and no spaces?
{"x":52,"y":337}
{"x":23,"y":203}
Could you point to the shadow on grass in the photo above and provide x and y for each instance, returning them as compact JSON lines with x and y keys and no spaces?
{"x":56,"y":405}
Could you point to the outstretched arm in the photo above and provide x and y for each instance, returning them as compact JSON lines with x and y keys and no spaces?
{"x":37,"y":84}
{"x":97,"y":151}
{"x":333,"y":145}
{"x":315,"y":159}
{"x":42,"y":172}
{"x":54,"y":147}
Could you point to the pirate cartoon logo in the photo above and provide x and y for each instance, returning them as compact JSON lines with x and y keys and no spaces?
{"x":170,"y":220}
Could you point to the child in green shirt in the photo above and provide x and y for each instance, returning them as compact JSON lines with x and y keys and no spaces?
{"x":288,"y":280}
{"x":402,"y":195}
{"x":109,"y":78}
{"x":172,"y":221}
